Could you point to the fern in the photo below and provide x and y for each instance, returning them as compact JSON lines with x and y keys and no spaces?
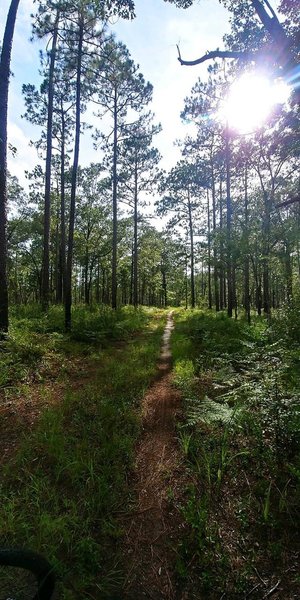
{"x":208,"y":412}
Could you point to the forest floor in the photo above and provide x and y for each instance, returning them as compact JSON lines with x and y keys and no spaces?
{"x":21,"y":407}
{"x":145,"y":473}
{"x":153,"y":527}
{"x":69,"y":424}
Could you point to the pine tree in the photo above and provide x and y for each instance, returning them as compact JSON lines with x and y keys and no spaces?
{"x":121,"y":89}
{"x":4,"y":87}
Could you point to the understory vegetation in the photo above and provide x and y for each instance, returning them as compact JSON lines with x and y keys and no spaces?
{"x":240,"y":434}
{"x":65,"y":478}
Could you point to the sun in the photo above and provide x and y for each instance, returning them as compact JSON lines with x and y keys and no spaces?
{"x":250,"y":101}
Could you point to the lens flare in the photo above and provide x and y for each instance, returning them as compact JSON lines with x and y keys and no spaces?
{"x":250,"y":101}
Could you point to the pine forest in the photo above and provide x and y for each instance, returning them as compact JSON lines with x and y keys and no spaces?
{"x":149,"y":300}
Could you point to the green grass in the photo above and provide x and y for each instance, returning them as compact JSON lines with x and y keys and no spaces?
{"x":36,"y":337}
{"x":61,"y":493}
{"x":240,"y":435}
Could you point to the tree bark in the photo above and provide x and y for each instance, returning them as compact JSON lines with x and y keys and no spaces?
{"x":47,"y":202}
{"x":213,"y":192}
{"x":68,"y":291}
{"x":135,"y":241}
{"x":62,"y":275}
{"x":228,"y":226}
{"x":192,"y":251}
{"x":266,"y":256}
{"x":115,"y":208}
{"x":209,"y":254}
{"x":221,"y":272}
{"x":86,"y":276}
{"x":247,"y":266}
{"x":288,"y":272}
{"x":4,"y":86}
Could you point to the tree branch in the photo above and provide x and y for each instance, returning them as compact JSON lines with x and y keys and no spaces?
{"x":216,"y":54}
{"x":291,"y":200}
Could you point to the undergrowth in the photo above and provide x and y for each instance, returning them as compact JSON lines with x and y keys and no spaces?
{"x":62,"y":490}
{"x":35,"y":337}
{"x":241,"y":438}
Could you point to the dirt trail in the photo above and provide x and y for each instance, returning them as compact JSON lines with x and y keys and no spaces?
{"x":153,"y":528}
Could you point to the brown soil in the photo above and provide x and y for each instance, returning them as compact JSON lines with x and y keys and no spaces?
{"x":21,"y":408}
{"x":152,"y":529}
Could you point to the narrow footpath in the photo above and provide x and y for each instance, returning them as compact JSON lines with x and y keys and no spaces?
{"x":153,"y":528}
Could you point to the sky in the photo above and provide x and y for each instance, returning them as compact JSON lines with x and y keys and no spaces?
{"x":151,"y":38}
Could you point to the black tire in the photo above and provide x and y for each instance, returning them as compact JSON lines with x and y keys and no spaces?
{"x":25,"y":575}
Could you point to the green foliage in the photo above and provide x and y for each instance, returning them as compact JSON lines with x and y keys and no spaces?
{"x":35,"y":337}
{"x":288,"y":323}
{"x":61,"y":491}
{"x":183,"y":374}
{"x":240,"y":436}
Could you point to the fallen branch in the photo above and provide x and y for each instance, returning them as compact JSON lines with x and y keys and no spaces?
{"x":253,"y":589}
{"x":272,"y":590}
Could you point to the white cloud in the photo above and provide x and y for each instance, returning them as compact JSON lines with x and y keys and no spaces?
{"x":152,"y":39}
{"x":26,"y":157}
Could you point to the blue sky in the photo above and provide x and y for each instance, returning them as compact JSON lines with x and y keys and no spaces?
{"x":151,"y":39}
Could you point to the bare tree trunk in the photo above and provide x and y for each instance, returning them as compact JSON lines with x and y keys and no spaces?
{"x":222,"y":274}
{"x":135,"y":241}
{"x":115,"y":209}
{"x":186,"y":282}
{"x":62,"y":274}
{"x":57,"y":251}
{"x":4,"y":86}
{"x":266,"y":257}
{"x":247,"y":266}
{"x":47,"y":203}
{"x":209,"y":254}
{"x":86,"y":276}
{"x":216,"y":286}
{"x":229,"y":218}
{"x":131,"y":275}
{"x":68,"y":291}
{"x":164,"y":287}
{"x":191,"y":231}
{"x":288,"y":272}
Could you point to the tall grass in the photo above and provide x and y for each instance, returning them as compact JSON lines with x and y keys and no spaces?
{"x":61,"y":492}
{"x":241,"y":438}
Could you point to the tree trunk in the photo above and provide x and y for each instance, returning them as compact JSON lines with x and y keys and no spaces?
{"x":228,"y":226}
{"x":192,"y":251}
{"x":131,"y":275}
{"x":62,"y":275}
{"x":164,"y":287}
{"x":288,"y":272}
{"x":186,"y":282}
{"x":266,"y":253}
{"x":68,"y":291}
{"x":247,"y":266}
{"x":98,"y":283}
{"x":209,"y":254}
{"x":221,"y":272}
{"x":115,"y":209}
{"x":4,"y":86}
{"x":47,"y":203}
{"x":135,"y":241}
{"x":57,"y":252}
{"x":216,"y":286}
{"x":86,"y":276}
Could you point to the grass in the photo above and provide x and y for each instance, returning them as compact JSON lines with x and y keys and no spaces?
{"x":241,"y":438}
{"x":61,"y":491}
{"x":35,"y":338}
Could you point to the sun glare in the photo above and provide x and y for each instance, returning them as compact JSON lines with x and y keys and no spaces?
{"x":250,"y":101}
